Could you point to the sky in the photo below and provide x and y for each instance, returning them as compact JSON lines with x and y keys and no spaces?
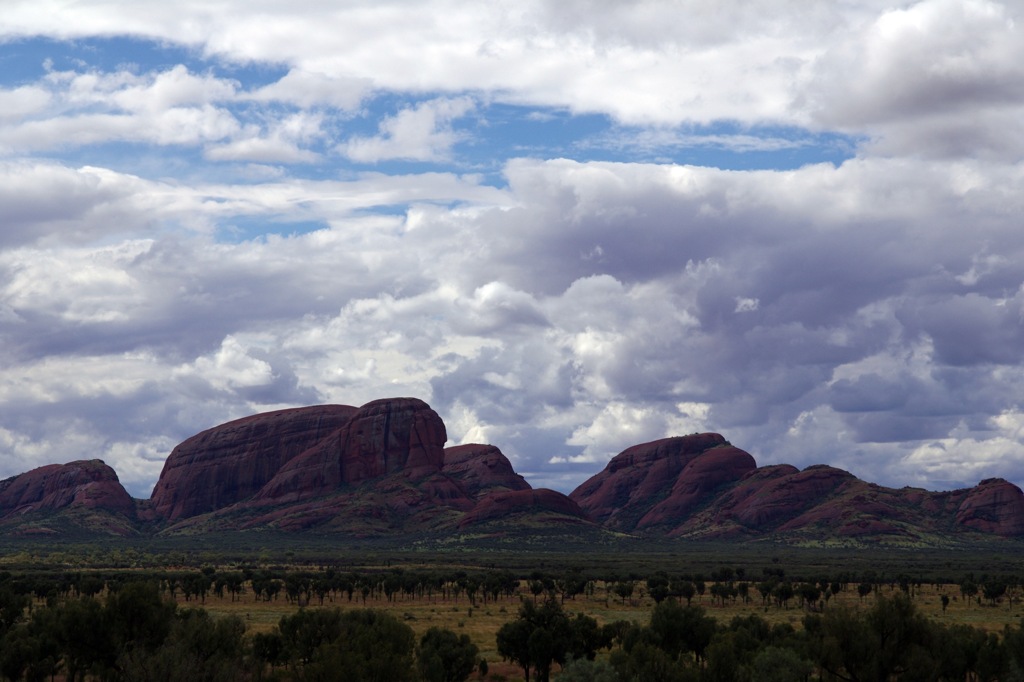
{"x":569,"y":226}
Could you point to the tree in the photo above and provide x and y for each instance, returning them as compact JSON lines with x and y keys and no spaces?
{"x":12,"y":608}
{"x":810,"y":594}
{"x":775,"y":664}
{"x":198,"y":648}
{"x":444,"y":656}
{"x":645,"y":661}
{"x":544,"y":635}
{"x":968,"y":588}
{"x":782,"y":593}
{"x":83,"y":636}
{"x":687,"y":591}
{"x":137,"y":616}
{"x":624,"y":589}
{"x":994,"y":590}
{"x":368,"y":645}
{"x":582,"y":670}
{"x":657,"y":587}
{"x":513,"y":640}
{"x":863,"y":590}
{"x":678,"y":629}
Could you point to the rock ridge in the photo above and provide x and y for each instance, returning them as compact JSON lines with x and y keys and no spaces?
{"x":383,"y":468}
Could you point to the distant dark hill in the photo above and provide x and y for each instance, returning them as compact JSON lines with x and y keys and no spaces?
{"x":382,"y":470}
{"x":378,"y":469}
{"x":84,"y":495}
{"x":700,"y":487}
{"x":232,"y":462}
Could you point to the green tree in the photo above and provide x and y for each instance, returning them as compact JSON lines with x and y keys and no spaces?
{"x":687,"y":591}
{"x":364,"y":645}
{"x":198,"y":648}
{"x":544,"y":635}
{"x":12,"y":608}
{"x":994,"y":590}
{"x":645,"y":662}
{"x":863,"y":590}
{"x":968,"y":589}
{"x":136,"y":616}
{"x":444,"y":656}
{"x":83,"y":637}
{"x":679,"y":629}
{"x":624,"y":589}
{"x":582,"y":670}
{"x":779,"y":664}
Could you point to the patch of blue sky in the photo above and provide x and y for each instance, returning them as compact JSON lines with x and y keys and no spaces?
{"x":486,"y":136}
{"x":145,"y":160}
{"x":722,"y":145}
{"x":26,"y":60}
{"x":506,"y":131}
{"x":502,"y":132}
{"x":257,"y":228}
{"x":491,"y":134}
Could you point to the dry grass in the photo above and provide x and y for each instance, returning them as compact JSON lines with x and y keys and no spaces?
{"x":482,"y":622}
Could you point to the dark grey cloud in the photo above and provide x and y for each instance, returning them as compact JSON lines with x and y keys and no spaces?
{"x":868,"y":315}
{"x":804,"y":330}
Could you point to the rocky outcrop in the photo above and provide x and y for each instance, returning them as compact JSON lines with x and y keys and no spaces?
{"x":383,"y":469}
{"x":993,"y":506}
{"x":232,"y":462}
{"x":481,"y":469}
{"x":657,"y":483}
{"x":702,"y":488}
{"x":392,"y":436}
{"x":86,"y":494}
{"x":767,"y":502}
{"x":699,"y":480}
{"x":541,"y":506}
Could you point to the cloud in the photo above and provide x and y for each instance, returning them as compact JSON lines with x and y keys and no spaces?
{"x":192,"y":237}
{"x":939,"y":78}
{"x":494,"y":314}
{"x":19,"y":103}
{"x":282,"y":143}
{"x":420,"y":133}
{"x":311,"y":89}
{"x":72,"y":109}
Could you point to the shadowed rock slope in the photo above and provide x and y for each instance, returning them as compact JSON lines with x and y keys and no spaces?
{"x":78,"y":496}
{"x":701,"y":487}
{"x":377,"y":469}
{"x":382,"y":469}
{"x":232,"y":462}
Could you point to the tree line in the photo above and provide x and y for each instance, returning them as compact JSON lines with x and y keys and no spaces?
{"x":137,"y":634}
{"x":120,"y":626}
{"x":889,"y":641}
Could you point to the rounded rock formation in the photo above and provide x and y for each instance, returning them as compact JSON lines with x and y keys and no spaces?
{"x":993,"y":506}
{"x":541,"y":503}
{"x":88,"y":483}
{"x":231,"y":462}
{"x":389,"y":436}
{"x":481,"y":469}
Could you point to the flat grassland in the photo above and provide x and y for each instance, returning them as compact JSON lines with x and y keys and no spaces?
{"x":481,"y":622}
{"x":936,"y":573}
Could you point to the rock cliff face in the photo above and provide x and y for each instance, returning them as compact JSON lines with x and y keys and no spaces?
{"x":700,"y":487}
{"x":382,"y":468}
{"x":89,"y":487}
{"x":541,"y":505}
{"x":658,"y":483}
{"x":392,"y":436}
{"x":231,"y":462}
{"x":993,"y":506}
{"x":481,"y":469}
